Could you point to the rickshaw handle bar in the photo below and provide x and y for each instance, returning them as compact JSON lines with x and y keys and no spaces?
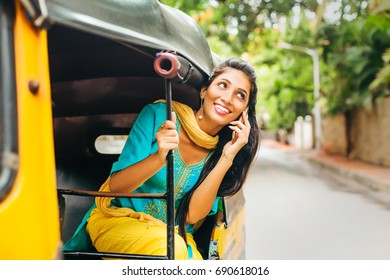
{"x":113,"y":255}
{"x":176,"y":68}
{"x":110,"y":194}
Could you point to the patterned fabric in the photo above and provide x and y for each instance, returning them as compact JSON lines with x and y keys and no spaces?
{"x":140,"y":144}
{"x":138,"y":233}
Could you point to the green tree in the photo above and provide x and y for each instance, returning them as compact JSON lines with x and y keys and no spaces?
{"x":291,"y":94}
{"x":354,"y":53}
{"x":251,"y":29}
{"x":238,"y":22}
{"x":353,"y":41}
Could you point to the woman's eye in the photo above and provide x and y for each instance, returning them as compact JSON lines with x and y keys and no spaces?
{"x":241,"y":95}
{"x":222,"y":85}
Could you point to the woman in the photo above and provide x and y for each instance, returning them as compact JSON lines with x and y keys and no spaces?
{"x":213,"y":150}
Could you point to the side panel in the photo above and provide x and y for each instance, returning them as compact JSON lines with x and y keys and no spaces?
{"x":228,"y":242}
{"x":29,"y":214}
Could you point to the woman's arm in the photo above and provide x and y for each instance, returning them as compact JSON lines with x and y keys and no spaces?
{"x":130,"y":178}
{"x":203,"y":198}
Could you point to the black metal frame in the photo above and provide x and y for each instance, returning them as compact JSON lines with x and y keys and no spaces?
{"x":79,"y":254}
{"x":169,"y":196}
{"x":170,"y":193}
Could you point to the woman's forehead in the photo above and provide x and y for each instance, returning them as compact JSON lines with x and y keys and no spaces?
{"x":236,"y":77}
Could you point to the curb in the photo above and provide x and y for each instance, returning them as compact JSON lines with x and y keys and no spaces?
{"x":370,"y":181}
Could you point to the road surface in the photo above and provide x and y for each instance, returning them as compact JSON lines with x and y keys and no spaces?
{"x":296,"y":211}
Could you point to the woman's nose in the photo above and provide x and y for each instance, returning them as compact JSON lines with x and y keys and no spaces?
{"x":227,"y":96}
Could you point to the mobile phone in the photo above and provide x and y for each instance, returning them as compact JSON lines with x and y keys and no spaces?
{"x":246,"y":111}
{"x":240,"y":119}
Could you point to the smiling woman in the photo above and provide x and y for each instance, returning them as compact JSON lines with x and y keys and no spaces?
{"x":224,"y":100}
{"x":203,"y":173}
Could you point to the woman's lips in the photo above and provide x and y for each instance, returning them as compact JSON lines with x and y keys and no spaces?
{"x":221,"y":110}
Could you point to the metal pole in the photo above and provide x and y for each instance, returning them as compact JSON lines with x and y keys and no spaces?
{"x":170,"y":193}
{"x":316,"y":80}
{"x":317,"y":109}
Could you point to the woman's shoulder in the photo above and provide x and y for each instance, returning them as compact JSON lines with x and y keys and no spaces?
{"x":157,"y":106}
{"x":153,"y":110}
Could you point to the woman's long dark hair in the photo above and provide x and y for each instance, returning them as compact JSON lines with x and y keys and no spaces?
{"x":236,"y":175}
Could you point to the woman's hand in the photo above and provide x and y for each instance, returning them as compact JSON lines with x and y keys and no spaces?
{"x":167,"y":138}
{"x":241,"y":129}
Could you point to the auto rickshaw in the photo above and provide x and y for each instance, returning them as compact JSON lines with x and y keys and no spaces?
{"x":74,"y":76}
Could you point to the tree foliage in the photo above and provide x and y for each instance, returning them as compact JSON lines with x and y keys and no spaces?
{"x":354,"y":54}
{"x":352,"y":36}
{"x":238,"y":22}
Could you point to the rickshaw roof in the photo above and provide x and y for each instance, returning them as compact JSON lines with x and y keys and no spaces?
{"x":140,"y":22}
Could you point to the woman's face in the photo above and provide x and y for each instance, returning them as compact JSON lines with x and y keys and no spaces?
{"x":226,"y":98}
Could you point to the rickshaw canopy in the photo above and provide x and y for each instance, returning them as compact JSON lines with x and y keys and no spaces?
{"x":140,"y":22}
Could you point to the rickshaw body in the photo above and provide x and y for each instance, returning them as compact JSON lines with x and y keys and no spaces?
{"x":75,"y":75}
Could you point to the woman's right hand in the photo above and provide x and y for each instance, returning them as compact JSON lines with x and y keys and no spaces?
{"x":167,"y":138}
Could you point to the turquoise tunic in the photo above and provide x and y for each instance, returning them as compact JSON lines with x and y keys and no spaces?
{"x":140,"y":144}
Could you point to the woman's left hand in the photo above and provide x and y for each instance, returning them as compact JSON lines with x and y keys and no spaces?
{"x":241,"y":129}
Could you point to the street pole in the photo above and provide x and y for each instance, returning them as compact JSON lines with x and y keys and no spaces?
{"x":316,"y":80}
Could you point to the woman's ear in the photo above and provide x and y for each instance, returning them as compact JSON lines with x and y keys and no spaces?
{"x":203,"y":92}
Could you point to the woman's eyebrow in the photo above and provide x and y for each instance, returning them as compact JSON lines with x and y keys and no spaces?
{"x":240,"y":89}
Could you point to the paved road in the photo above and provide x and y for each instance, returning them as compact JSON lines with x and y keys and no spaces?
{"x":295,"y":211}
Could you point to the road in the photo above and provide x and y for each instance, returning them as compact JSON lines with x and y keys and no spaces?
{"x":296,"y":211}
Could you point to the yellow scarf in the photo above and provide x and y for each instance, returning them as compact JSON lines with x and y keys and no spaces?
{"x":188,"y":121}
{"x":104,"y":205}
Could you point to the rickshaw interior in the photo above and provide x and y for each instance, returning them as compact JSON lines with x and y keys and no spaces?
{"x":98,"y":88}
{"x":101,"y":59}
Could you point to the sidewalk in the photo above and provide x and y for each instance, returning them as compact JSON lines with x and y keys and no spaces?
{"x":374,"y":176}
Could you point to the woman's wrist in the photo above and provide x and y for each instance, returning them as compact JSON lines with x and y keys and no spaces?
{"x":160,"y":159}
{"x":226,"y":160}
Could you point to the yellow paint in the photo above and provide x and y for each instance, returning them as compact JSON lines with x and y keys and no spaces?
{"x":231,"y":239}
{"x":29,"y":215}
